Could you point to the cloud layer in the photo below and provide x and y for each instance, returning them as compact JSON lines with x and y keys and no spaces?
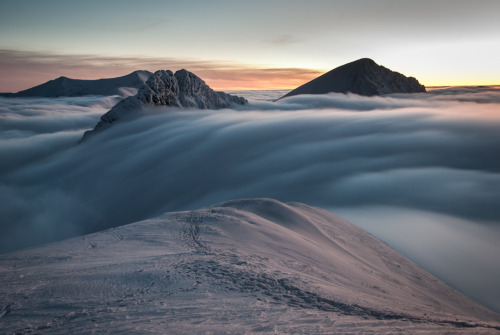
{"x":332,"y":150}
{"x":434,"y":153}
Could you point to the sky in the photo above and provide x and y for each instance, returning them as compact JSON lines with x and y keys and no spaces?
{"x":248,"y":45}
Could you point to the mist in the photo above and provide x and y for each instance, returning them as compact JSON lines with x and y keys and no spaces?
{"x":417,"y":162}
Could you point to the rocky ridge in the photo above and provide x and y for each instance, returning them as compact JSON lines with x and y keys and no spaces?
{"x":164,"y":88}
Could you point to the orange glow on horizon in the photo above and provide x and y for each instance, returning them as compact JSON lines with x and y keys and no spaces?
{"x":288,"y":79}
{"x":219,"y":76}
{"x":459,"y":81}
{"x":243,"y":85}
{"x":246,"y":78}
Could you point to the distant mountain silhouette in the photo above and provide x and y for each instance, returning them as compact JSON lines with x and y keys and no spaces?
{"x":67,"y":87}
{"x":363,"y":77}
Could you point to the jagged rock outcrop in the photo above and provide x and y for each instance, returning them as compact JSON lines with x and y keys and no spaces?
{"x":164,"y":88}
{"x":67,"y":87}
{"x":363,"y":77}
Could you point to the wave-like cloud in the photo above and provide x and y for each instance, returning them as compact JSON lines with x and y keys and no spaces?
{"x":434,"y":153}
{"x":332,"y":150}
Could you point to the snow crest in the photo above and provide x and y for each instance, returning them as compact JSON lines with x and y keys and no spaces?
{"x":251,"y":265}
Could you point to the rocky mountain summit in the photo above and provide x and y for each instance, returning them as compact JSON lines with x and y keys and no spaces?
{"x":67,"y":87}
{"x":164,"y":88}
{"x":363,"y":77}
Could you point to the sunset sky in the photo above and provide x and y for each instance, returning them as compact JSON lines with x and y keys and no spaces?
{"x":248,"y":45}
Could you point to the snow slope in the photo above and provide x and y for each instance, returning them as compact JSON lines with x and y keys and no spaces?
{"x":243,"y":266}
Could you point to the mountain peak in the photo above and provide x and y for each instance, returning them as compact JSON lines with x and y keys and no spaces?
{"x":363,"y":77}
{"x":364,"y":61}
{"x":363,"y":64}
{"x":164,"y":88}
{"x":68,"y":87}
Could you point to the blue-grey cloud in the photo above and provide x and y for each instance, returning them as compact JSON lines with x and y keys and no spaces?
{"x":435,"y":153}
{"x":284,"y":40}
{"x":34,"y":129}
{"x":460,"y":252}
{"x":341,"y":150}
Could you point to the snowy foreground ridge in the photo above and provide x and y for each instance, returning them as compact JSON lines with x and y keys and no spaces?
{"x":242,"y":266}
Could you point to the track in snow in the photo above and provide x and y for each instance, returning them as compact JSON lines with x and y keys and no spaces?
{"x":242,"y":266}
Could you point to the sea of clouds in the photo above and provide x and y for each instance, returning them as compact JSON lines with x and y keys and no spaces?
{"x":421,"y":172}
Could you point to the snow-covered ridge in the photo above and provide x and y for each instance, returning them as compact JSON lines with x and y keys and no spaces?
{"x":164,"y":88}
{"x":252,"y":265}
{"x":363,"y":77}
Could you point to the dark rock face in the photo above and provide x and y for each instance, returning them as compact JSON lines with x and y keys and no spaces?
{"x":67,"y":87}
{"x":182,"y":89}
{"x":193,"y":92}
{"x":363,"y":77}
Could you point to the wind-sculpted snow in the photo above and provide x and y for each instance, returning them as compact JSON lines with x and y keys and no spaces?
{"x":419,"y":171}
{"x":253,"y":265}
